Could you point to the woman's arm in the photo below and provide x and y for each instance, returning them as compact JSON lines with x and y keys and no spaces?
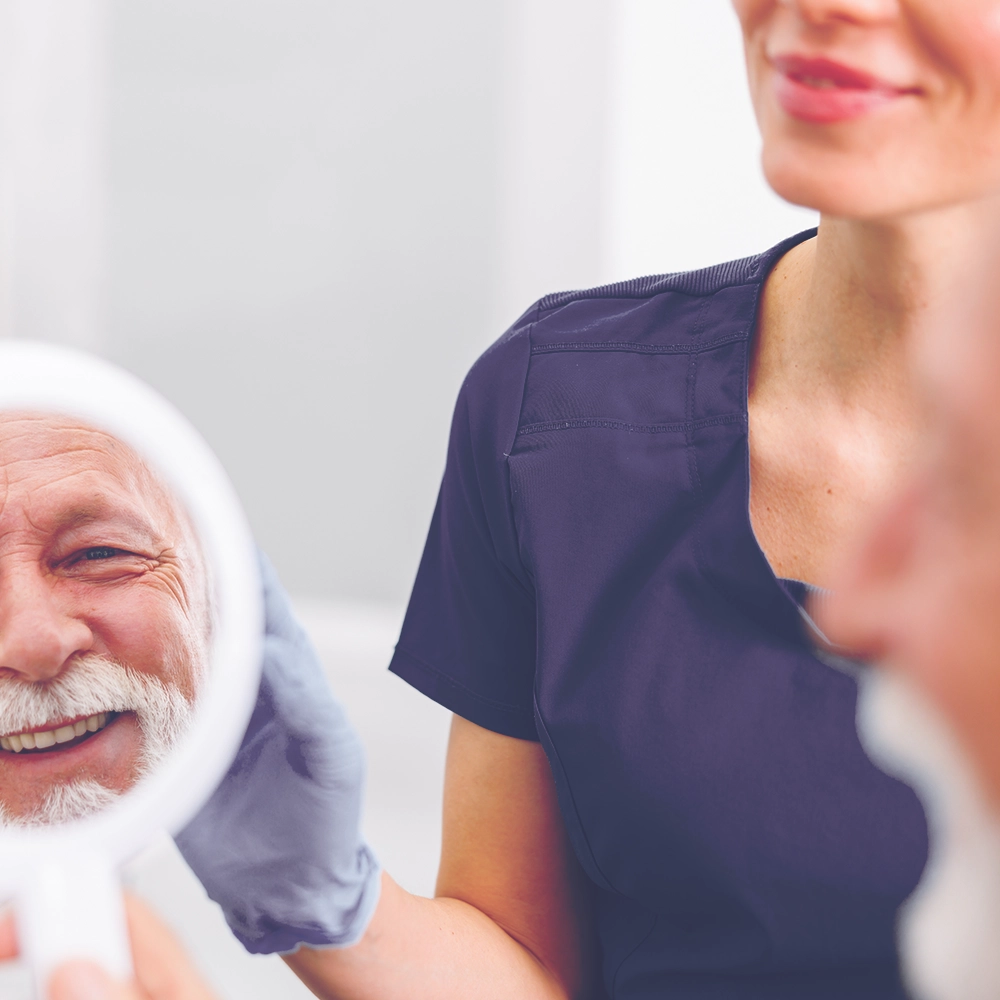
{"x":510,"y":917}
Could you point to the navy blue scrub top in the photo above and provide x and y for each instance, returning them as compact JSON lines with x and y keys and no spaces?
{"x":591,"y":580}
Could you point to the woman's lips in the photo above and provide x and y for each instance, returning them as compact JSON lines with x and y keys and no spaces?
{"x":821,"y":92}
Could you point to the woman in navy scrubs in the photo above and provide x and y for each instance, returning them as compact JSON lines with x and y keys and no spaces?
{"x":653,"y":787}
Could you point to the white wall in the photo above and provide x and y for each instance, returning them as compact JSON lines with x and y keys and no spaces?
{"x":302,"y":253}
{"x":53,"y":103}
{"x":685,"y":189}
{"x":553,"y":149}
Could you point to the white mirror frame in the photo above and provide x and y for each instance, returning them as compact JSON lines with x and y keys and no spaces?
{"x":48,"y":379}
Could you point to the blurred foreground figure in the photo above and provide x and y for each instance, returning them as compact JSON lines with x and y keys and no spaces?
{"x":920,"y":596}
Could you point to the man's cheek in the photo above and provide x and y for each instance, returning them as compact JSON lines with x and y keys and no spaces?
{"x":955,"y":654}
{"x":147,"y":631}
{"x":920,"y":617}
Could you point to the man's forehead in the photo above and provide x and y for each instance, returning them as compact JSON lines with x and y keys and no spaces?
{"x":29,"y":437}
{"x":80,"y":473}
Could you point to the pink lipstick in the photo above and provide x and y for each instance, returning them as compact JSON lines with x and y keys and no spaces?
{"x":821,"y":91}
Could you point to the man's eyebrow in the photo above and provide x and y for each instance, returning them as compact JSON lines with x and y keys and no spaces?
{"x":103,"y":511}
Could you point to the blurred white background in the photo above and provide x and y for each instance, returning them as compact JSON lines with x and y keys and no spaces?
{"x":318,"y":213}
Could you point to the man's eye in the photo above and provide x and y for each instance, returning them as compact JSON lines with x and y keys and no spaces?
{"x":102,"y":552}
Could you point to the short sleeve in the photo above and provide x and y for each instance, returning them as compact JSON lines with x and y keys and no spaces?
{"x":468,"y":639}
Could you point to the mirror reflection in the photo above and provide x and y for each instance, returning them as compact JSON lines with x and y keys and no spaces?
{"x":105,"y":619}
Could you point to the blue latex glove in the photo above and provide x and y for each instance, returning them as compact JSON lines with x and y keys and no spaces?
{"x":278,"y":845}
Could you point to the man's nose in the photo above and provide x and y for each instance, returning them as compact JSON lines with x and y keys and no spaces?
{"x":37,"y":635}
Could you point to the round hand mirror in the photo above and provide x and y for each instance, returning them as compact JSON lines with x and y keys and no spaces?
{"x":130,"y":633}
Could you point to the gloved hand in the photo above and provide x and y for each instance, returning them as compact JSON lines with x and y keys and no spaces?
{"x":278,"y":845}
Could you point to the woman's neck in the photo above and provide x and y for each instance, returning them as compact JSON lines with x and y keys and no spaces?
{"x":840,"y":310}
{"x":834,"y":414}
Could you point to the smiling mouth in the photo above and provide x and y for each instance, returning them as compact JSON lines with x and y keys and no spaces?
{"x":825,"y":74}
{"x":61,"y":738}
{"x":816,"y":82}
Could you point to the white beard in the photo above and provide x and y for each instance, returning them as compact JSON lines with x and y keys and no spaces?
{"x":949,"y":929}
{"x":65,"y":803}
{"x":91,"y":685}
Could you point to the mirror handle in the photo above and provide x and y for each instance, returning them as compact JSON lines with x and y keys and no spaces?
{"x":72,"y":907}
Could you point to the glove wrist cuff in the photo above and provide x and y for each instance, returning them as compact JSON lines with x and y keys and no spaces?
{"x":341,"y":918}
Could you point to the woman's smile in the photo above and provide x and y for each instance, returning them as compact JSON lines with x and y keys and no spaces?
{"x":876,"y":109}
{"x":821,"y":91}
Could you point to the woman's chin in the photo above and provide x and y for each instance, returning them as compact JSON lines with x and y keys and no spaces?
{"x":829,"y":191}
{"x":854,"y":187}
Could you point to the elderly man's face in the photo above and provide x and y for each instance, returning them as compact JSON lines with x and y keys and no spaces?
{"x":921,"y":593}
{"x":920,"y":596}
{"x":103,"y":619}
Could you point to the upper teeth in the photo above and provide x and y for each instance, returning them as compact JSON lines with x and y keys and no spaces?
{"x":819,"y":82}
{"x":49,"y":737}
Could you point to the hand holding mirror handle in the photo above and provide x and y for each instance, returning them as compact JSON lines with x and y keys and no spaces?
{"x":48,"y":916}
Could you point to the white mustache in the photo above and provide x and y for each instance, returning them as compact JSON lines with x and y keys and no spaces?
{"x":90,"y":685}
